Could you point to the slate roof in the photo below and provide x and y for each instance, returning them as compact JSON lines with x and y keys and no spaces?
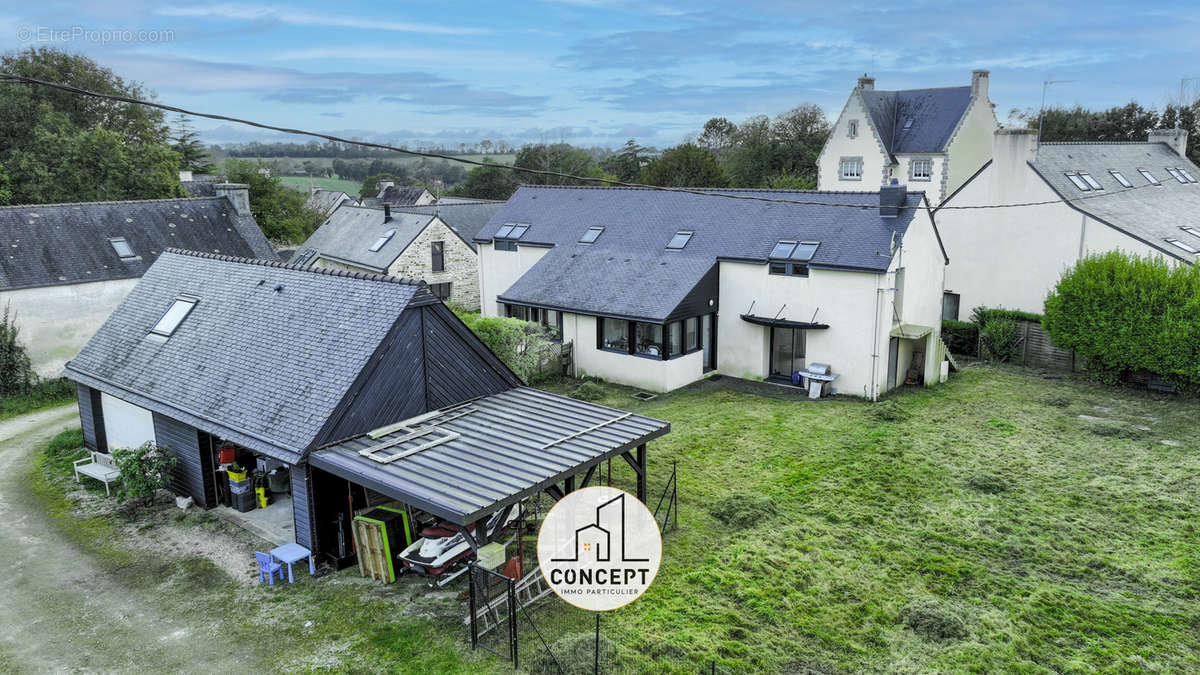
{"x":1146,"y":212}
{"x":629,"y":272}
{"x":325,"y":201}
{"x":259,"y":366}
{"x":347,"y":235}
{"x":935,"y":114}
{"x":53,"y":244}
{"x":199,"y":188}
{"x":466,"y":218}
{"x":399,"y":195}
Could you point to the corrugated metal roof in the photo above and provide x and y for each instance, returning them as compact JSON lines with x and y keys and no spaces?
{"x":504,"y":447}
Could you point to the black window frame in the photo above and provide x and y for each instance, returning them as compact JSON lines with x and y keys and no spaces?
{"x":434,"y":288}
{"x":957,"y":305}
{"x":666,"y":345}
{"x":437,"y":256}
{"x":508,"y":235}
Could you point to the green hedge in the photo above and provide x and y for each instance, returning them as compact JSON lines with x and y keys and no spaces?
{"x":1125,"y":314}
{"x":981,"y":315}
{"x":961,"y":337}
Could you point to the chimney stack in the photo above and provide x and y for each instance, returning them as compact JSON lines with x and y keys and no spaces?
{"x":1176,"y":139}
{"x":238,"y":194}
{"x":891,"y":198}
{"x":979,"y":83}
{"x":185,"y":176}
{"x":865,"y":82}
{"x":387,"y":213}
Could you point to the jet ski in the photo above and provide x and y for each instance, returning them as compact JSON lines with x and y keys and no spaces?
{"x":443,"y":545}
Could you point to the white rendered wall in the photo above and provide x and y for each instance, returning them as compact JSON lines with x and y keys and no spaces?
{"x":125,"y":425}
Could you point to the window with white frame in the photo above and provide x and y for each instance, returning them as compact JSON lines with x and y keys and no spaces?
{"x":1190,"y":230}
{"x":1149,"y":177}
{"x":921,"y":169}
{"x":1079,"y":182}
{"x":1183,"y":246}
{"x":852,"y":128}
{"x":1120,"y":178}
{"x":850,"y":168}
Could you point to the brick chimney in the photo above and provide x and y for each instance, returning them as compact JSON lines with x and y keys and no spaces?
{"x":1176,"y":139}
{"x":866,"y":82}
{"x":891,"y":197}
{"x":979,"y":83}
{"x":238,"y":194}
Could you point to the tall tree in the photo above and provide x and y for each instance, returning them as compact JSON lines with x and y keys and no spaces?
{"x":626,"y":163}
{"x":558,"y":157}
{"x":488,"y":182}
{"x":185,"y":141}
{"x":279,"y":210}
{"x":684,"y":166}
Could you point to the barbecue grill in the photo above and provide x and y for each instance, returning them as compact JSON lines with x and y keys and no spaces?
{"x":818,"y":378}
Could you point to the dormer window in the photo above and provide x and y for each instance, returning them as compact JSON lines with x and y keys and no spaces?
{"x":592,"y":234}
{"x":1120,"y":178}
{"x":1183,"y":246}
{"x":382,"y":241}
{"x":174,"y":316}
{"x":791,"y":258}
{"x":852,"y":129}
{"x":507,"y":236}
{"x":1149,"y":177}
{"x":680,"y":240}
{"x":124,"y":251}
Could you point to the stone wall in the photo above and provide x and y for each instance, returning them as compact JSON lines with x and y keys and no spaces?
{"x":461,"y":269}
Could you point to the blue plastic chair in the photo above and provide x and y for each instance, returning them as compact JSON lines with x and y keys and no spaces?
{"x":267,"y":568}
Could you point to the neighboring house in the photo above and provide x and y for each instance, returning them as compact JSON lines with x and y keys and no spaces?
{"x":325,"y":201}
{"x":433,"y":244}
{"x":65,"y":267}
{"x":1141,"y":198}
{"x":929,"y":139}
{"x":352,"y":388}
{"x":393,"y":195}
{"x":656,"y":289}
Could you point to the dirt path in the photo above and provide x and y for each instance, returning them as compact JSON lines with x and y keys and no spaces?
{"x":58,"y":611}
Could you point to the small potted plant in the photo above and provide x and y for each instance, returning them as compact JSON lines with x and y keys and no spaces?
{"x":236,"y":473}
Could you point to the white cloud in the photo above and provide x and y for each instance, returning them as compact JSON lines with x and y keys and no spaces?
{"x":331,"y":19}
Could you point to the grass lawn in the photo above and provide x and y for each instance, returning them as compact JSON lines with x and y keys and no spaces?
{"x":350,"y":187}
{"x":978,"y":526}
{"x":45,"y":394}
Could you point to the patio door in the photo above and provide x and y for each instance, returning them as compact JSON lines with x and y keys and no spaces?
{"x":893,"y":362}
{"x":787,"y":352}
{"x":708,"y":341}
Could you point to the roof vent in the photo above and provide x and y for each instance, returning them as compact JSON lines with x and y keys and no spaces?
{"x":278,"y":288}
{"x":387,"y":213}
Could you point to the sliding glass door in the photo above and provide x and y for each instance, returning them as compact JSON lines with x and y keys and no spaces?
{"x":787,"y":352}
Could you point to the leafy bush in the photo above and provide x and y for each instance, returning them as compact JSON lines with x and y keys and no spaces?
{"x":932,"y":620}
{"x":887,"y":411}
{"x":144,"y":470}
{"x":1126,"y":314}
{"x":523,"y":346}
{"x":278,"y":209}
{"x":743,"y":509}
{"x":573,"y":653}
{"x":64,"y":449}
{"x":588,"y":391}
{"x":1000,"y":339}
{"x":981,"y":315}
{"x":962,"y":337}
{"x":16,"y":373}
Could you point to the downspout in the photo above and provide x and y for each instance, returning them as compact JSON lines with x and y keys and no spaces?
{"x":873,"y":386}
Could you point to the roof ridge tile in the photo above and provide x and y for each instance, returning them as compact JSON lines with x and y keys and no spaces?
{"x":366,"y":276}
{"x":111,"y":201}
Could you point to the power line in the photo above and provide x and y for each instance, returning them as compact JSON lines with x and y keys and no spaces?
{"x":20,"y":79}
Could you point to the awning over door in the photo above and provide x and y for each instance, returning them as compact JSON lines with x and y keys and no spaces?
{"x":467,"y":461}
{"x":783,"y":323}
{"x":910,"y":330}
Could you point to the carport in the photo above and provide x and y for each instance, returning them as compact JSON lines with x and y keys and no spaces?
{"x":465,"y":462}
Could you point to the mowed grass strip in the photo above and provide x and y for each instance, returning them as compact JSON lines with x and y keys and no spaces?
{"x":995,"y":523}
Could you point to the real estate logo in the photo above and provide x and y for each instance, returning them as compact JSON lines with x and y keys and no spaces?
{"x":599,"y":548}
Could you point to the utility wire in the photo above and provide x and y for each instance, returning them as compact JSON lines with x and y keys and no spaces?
{"x":20,"y":79}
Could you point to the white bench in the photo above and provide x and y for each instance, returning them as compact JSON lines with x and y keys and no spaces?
{"x":99,"y":466}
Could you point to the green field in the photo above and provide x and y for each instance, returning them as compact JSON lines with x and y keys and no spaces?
{"x":350,"y":187}
{"x":407,"y":160}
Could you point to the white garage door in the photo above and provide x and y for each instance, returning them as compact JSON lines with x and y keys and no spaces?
{"x":125,"y":425}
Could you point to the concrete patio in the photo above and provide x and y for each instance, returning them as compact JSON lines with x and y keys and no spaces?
{"x":274,"y":523}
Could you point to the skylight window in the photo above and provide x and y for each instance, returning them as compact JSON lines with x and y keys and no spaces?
{"x":1149,"y":177}
{"x":680,"y":239}
{"x":506,"y":237}
{"x":783,"y":250}
{"x":503,"y":232}
{"x":1175,"y":173}
{"x":382,"y":240}
{"x":908,"y":123}
{"x":1079,"y":182}
{"x":1092,"y":182}
{"x":1120,"y":178}
{"x":1187,"y":175}
{"x":591,"y":235}
{"x":1181,"y":245}
{"x":121,"y":247}
{"x":804,"y":252}
{"x":1190,"y":230}
{"x":174,"y":316}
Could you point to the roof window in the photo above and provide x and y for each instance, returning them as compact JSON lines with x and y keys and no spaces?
{"x":680,"y":239}
{"x":174,"y":316}
{"x":591,"y":235}
{"x":1190,"y":230}
{"x":506,"y":237}
{"x":1184,"y":246}
{"x":1079,"y":182}
{"x":1092,"y":182}
{"x":1176,"y":175}
{"x":121,"y":247}
{"x":908,"y":123}
{"x":1149,"y":177}
{"x":382,"y":240}
{"x":1120,"y":177}
{"x":1187,"y":175}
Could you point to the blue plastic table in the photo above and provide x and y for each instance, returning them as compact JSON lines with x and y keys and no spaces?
{"x":292,"y":553}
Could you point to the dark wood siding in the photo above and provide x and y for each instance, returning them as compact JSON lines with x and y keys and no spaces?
{"x":302,"y":506}
{"x":457,"y":365}
{"x":192,"y":475}
{"x":695,"y":302}
{"x":91,"y":419}
{"x":391,"y":387}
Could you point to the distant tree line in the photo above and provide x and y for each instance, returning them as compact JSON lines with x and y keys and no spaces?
{"x":1130,"y":122}
{"x":352,"y":151}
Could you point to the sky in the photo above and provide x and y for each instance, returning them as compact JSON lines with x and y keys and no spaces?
{"x":594,"y":72}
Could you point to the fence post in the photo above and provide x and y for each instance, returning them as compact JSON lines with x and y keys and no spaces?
{"x":474,"y":625}
{"x":597,"y":647}
{"x":512,"y":621}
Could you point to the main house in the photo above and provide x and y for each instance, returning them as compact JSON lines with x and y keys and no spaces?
{"x":65,"y":267}
{"x":932,"y":140}
{"x":1080,"y":199}
{"x":358,"y":388}
{"x":432,"y":243}
{"x":658,"y":288}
